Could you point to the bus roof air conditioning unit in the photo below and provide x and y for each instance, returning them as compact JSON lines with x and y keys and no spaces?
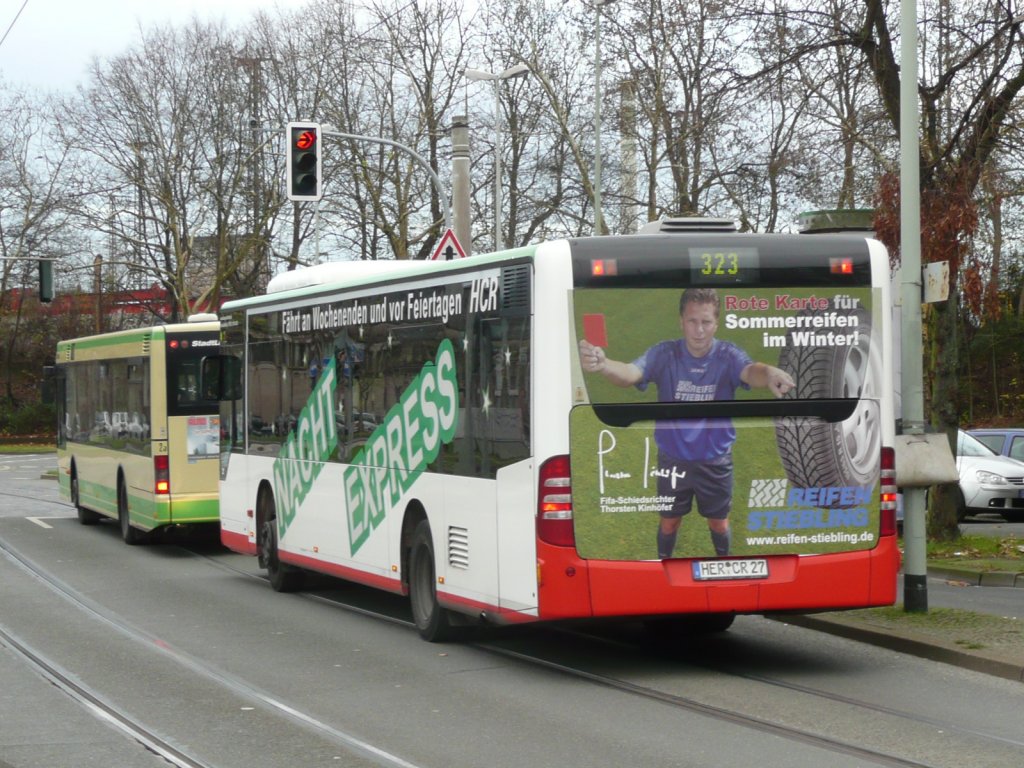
{"x":687,"y":224}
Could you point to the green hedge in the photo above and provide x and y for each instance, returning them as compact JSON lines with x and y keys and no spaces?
{"x":29,"y":419}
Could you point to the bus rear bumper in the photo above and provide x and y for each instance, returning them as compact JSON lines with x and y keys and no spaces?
{"x":571,"y":587}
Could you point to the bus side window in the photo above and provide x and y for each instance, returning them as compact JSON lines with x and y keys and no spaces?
{"x":221,"y":378}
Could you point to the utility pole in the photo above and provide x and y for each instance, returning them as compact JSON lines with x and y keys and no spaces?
{"x":460,"y":183}
{"x":598,"y":219}
{"x":97,"y":289}
{"x":628,"y":151}
{"x":253,"y":64}
{"x":915,"y":568}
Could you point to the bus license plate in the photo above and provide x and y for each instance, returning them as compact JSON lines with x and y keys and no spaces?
{"x":707,"y":570}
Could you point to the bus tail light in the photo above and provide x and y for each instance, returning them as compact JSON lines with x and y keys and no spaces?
{"x":887,"y":492}
{"x":161,"y":475}
{"x":841,"y":266}
{"x":554,"y":508}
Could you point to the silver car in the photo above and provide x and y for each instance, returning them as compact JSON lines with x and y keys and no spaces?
{"x":988,"y":482}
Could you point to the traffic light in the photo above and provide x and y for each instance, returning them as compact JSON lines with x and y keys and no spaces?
{"x":304,"y":161}
{"x":45,"y":280}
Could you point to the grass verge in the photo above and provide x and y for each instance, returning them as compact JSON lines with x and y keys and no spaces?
{"x":982,"y":553}
{"x":19,"y":448}
{"x":954,"y":627}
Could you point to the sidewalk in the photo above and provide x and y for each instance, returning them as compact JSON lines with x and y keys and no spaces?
{"x":992,"y":644}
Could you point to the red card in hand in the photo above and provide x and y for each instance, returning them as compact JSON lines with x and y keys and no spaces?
{"x":594,"y":330}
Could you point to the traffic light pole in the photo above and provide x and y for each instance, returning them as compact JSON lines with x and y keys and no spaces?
{"x":442,"y":196}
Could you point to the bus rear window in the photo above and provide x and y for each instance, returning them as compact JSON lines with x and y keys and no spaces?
{"x":184,"y":374}
{"x":703,"y":343}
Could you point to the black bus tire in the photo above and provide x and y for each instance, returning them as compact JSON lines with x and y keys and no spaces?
{"x":432,"y":621}
{"x":129,"y":533}
{"x":85,"y":516}
{"x":282,"y":577}
{"x":688,"y":625}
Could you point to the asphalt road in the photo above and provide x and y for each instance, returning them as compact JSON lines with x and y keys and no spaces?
{"x":991,"y":524}
{"x":191,"y":643}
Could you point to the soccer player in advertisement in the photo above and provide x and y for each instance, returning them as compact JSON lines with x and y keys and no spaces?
{"x":695,"y":455}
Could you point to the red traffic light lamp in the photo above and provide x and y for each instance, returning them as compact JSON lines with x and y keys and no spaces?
{"x":304,"y":161}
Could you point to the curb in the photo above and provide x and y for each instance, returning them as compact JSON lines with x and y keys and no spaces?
{"x":906,"y":644}
{"x":979,"y":578}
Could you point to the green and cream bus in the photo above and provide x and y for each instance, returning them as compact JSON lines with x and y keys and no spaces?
{"x":136,"y":442}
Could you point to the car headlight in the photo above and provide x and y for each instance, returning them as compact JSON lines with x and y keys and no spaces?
{"x":989,"y":478}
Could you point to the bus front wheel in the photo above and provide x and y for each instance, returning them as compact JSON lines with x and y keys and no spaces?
{"x":283,"y":577}
{"x":432,"y":621}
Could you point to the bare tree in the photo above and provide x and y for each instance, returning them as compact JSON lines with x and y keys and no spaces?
{"x":33,"y":222}
{"x":545,"y":122}
{"x":161,"y":126}
{"x":970,"y":82}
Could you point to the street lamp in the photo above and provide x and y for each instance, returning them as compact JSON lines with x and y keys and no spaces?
{"x":598,"y":5}
{"x":518,"y":70}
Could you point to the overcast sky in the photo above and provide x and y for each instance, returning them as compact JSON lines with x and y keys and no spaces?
{"x":52,"y":42}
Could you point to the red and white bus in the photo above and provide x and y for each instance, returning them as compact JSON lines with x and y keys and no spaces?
{"x":458,"y":432}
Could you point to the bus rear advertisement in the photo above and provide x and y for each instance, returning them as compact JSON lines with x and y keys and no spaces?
{"x":678,"y":426}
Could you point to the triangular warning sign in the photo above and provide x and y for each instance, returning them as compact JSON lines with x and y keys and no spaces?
{"x":449,"y":248}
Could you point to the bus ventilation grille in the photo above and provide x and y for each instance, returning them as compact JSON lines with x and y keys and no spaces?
{"x":458,"y":547}
{"x":687,"y":224}
{"x":515,"y":290}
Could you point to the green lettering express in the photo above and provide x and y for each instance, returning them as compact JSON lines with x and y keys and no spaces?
{"x":309,"y":445}
{"x":409,"y":438}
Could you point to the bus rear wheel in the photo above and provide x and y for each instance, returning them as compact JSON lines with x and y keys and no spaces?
{"x":432,"y":621}
{"x":130,"y":535}
{"x":85,"y":516}
{"x":689,"y":625}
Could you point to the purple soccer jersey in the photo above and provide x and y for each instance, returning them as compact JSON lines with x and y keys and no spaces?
{"x":679,"y":376}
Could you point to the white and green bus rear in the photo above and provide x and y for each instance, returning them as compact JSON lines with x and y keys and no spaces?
{"x":136,"y":442}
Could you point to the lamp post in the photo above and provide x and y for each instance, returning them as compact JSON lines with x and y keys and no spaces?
{"x":598,"y":5}
{"x":518,"y":70}
{"x":97,"y":287}
{"x":915,"y":570}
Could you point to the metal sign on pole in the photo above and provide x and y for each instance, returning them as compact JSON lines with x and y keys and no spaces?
{"x":936,"y":282}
